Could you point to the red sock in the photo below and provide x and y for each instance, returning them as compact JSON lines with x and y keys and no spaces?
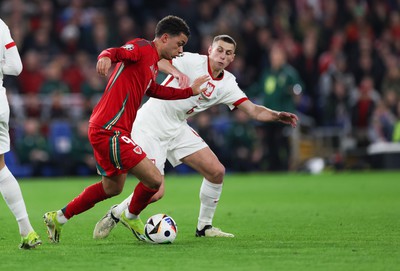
{"x":141,"y":198}
{"x":85,"y":200}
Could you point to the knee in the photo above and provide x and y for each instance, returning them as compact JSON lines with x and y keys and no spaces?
{"x":155,"y":183}
{"x":114,"y":191}
{"x":218,"y":174}
{"x":157,"y":196}
{"x":154,"y":186}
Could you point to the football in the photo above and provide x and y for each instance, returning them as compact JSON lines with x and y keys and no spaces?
{"x":160,"y":229}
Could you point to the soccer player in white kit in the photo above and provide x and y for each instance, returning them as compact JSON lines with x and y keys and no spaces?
{"x":162,"y":131}
{"x":10,"y":64}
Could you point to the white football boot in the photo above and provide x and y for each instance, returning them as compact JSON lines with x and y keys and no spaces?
{"x":105,"y":225}
{"x":210,"y":231}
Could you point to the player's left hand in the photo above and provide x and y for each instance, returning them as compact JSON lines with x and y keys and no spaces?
{"x":198,"y":82}
{"x":288,"y":118}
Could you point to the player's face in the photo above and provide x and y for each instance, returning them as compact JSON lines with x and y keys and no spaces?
{"x":221,"y":54}
{"x":173,"y":45}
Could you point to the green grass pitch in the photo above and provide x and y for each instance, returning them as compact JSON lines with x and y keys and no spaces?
{"x":342,"y":221}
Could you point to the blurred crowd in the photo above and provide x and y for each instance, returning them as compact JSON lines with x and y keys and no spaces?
{"x":333,"y":62}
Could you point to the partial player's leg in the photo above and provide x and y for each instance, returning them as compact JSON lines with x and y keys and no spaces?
{"x":108,"y":187}
{"x":9,"y":187}
{"x":156,"y":150}
{"x":115,"y":154}
{"x":150,"y":182}
{"x":12,"y":195}
{"x":110,"y":220}
{"x":207,"y":164}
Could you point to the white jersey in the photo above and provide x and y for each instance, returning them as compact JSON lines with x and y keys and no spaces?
{"x":10,"y":61}
{"x":163,"y":118}
{"x":10,"y":64}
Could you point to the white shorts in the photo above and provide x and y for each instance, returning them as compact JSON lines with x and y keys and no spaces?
{"x":185,"y":143}
{"x":4,"y":119}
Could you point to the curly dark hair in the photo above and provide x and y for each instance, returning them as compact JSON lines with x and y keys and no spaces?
{"x":173,"y":26}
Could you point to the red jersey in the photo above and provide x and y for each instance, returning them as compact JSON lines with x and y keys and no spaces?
{"x":134,"y":75}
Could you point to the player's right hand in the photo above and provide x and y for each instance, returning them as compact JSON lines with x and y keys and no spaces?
{"x":182,"y":78}
{"x":198,"y":82}
{"x":103,"y":65}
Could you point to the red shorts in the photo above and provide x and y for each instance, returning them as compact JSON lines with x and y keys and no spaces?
{"x":114,"y":151}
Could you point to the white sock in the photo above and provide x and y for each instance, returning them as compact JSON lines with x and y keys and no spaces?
{"x":61,"y":217}
{"x":11,"y":192}
{"x":117,"y":211}
{"x":129,"y":215}
{"x":209,"y":197}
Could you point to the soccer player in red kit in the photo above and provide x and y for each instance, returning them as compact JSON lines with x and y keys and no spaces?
{"x":111,"y":123}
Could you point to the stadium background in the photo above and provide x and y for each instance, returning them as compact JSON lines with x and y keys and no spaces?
{"x":344,"y":55}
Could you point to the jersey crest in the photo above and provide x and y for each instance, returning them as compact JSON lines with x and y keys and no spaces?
{"x":138,"y":150}
{"x":209,"y":90}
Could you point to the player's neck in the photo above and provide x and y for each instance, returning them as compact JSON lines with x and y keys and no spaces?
{"x":157,"y":45}
{"x":215,"y":73}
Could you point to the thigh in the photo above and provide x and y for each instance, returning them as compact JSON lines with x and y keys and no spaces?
{"x":147,"y":173}
{"x":4,"y":119}
{"x":207,"y":164}
{"x":115,"y":152}
{"x":155,"y":148}
{"x":184,"y":144}
{"x":4,"y":137}
{"x":113,"y":185}
{"x":2,"y":162}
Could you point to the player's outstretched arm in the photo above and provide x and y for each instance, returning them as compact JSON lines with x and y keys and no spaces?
{"x":264,"y":114}
{"x":198,"y":82}
{"x":288,"y":118}
{"x":169,"y":93}
{"x":166,"y":67}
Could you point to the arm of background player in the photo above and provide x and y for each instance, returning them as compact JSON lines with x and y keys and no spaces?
{"x":11,"y":64}
{"x":170,"y":93}
{"x":166,"y":67}
{"x":264,"y":114}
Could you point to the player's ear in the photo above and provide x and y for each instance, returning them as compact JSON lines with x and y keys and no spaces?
{"x":209,"y":49}
{"x":164,"y":38}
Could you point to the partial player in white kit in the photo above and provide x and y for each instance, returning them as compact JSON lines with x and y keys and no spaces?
{"x":10,"y":64}
{"x":162,"y":131}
